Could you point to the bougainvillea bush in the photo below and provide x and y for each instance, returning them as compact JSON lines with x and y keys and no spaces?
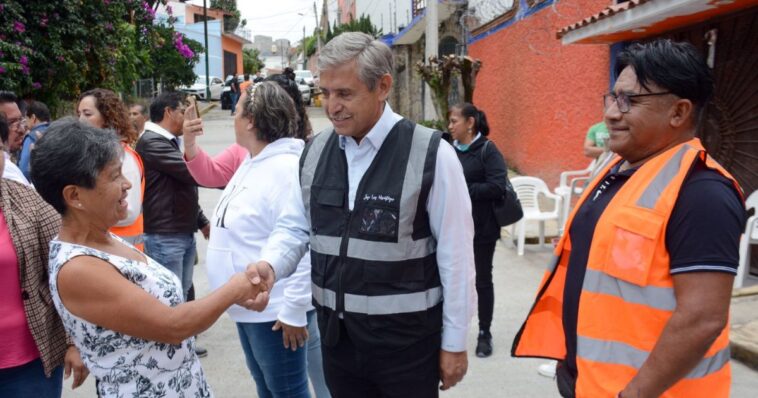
{"x":54,"y":50}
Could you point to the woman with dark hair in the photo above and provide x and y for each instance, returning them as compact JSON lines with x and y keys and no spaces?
{"x":486,"y":176}
{"x":123,"y":310}
{"x":103,"y":109}
{"x":241,"y":225}
{"x":215,"y":172}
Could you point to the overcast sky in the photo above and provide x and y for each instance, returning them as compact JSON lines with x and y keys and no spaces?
{"x":280,"y":19}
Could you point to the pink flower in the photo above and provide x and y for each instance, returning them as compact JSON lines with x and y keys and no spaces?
{"x":36,"y":85}
{"x":19,"y":27}
{"x":24,"y":60}
{"x":25,"y":69}
{"x":2,"y":70}
{"x":60,"y":58}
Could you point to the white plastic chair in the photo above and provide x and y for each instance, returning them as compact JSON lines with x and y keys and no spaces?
{"x":749,"y":238}
{"x":572,"y":184}
{"x":569,"y":185}
{"x":528,"y":190}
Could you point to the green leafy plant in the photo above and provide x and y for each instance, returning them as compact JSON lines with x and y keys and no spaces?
{"x":53,"y":51}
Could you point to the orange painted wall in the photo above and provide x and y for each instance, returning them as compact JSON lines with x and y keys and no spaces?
{"x":540,"y":96}
{"x":233,"y":46}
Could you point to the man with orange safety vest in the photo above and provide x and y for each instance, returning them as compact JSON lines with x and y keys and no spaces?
{"x":636,"y":300}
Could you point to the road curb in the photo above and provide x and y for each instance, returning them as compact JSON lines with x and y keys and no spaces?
{"x":744,"y":344}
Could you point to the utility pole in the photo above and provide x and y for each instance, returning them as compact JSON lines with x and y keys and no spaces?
{"x":303,"y":46}
{"x":431,"y":50}
{"x":207,"y":71}
{"x":318,"y":30}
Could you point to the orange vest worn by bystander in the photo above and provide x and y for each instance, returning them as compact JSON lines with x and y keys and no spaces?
{"x":134,"y":233}
{"x":627,"y":294}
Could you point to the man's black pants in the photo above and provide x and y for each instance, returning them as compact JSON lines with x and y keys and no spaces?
{"x":412,"y":372}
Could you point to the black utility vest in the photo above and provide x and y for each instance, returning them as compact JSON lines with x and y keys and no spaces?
{"x":374,"y":269}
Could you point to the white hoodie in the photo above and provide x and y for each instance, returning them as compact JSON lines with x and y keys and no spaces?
{"x":242,"y":222}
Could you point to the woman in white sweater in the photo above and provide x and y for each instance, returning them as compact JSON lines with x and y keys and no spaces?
{"x":243,"y":219}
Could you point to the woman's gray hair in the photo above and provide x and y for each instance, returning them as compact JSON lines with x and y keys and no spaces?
{"x":372,"y":57}
{"x":71,"y":153}
{"x":272,"y":110}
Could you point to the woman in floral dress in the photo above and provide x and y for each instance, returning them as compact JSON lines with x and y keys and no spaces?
{"x":123,"y":310}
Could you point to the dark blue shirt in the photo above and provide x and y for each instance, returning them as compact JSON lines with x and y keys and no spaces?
{"x":703,"y":234}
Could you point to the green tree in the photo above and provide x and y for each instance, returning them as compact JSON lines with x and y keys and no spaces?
{"x":52,"y":51}
{"x":233,"y":19}
{"x":362,"y":24}
{"x":251,"y":61}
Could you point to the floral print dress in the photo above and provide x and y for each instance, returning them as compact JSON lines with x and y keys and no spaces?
{"x":127,"y":366}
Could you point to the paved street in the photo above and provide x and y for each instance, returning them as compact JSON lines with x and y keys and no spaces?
{"x":516,"y":279}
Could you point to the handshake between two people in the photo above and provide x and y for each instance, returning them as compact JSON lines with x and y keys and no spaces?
{"x":256,"y":283}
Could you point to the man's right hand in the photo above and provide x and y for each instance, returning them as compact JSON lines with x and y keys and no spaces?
{"x":260,"y":274}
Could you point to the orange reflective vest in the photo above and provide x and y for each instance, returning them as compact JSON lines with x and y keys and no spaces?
{"x":134,"y":233}
{"x":627,"y":294}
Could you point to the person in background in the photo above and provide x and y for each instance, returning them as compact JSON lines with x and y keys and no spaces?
{"x":216,"y":172}
{"x":35,"y":352}
{"x":13,"y":141}
{"x":486,"y":178}
{"x":594,"y":143}
{"x":241,"y":224}
{"x":138,"y":116}
{"x":235,"y":87}
{"x":123,"y":310}
{"x":38,"y":118}
{"x":103,"y":109}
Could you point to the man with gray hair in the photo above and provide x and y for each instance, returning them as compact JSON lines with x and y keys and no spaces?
{"x":385,"y":209}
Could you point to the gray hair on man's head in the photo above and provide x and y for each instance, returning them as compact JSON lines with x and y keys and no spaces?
{"x":272,"y":110}
{"x":372,"y":57}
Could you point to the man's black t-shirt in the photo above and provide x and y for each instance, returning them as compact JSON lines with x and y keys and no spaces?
{"x":703,"y":234}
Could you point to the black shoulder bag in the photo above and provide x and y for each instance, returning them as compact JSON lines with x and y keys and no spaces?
{"x":507,"y":209}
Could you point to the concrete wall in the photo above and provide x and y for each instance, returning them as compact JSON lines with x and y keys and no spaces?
{"x":233,"y":46}
{"x":540,"y":97}
{"x":215,"y":47}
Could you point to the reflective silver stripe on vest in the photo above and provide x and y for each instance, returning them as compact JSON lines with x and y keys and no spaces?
{"x":654,"y":190}
{"x":388,"y":251}
{"x":393,"y":303}
{"x":553,"y":263}
{"x":134,"y":240}
{"x":329,"y":245}
{"x":614,"y":352}
{"x":380,"y":305}
{"x":406,"y":248}
{"x":324,"y":297}
{"x":660,"y":298}
{"x":309,"y":167}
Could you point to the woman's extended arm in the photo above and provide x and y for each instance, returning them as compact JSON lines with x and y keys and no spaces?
{"x":95,"y":291}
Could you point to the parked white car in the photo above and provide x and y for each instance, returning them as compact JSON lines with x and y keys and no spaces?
{"x":198,"y":89}
{"x":305,"y":91}
{"x":305,"y":75}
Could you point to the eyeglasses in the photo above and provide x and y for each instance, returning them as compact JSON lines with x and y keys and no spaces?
{"x":15,"y":123}
{"x":623,"y":101}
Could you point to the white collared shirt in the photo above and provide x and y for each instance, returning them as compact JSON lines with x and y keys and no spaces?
{"x":449,"y":208}
{"x":12,"y":172}
{"x":156,"y":128}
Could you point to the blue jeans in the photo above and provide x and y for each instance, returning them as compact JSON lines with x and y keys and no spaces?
{"x":235,"y":97}
{"x":29,"y":380}
{"x":315,"y":363}
{"x":277,"y":371}
{"x":176,"y":252}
